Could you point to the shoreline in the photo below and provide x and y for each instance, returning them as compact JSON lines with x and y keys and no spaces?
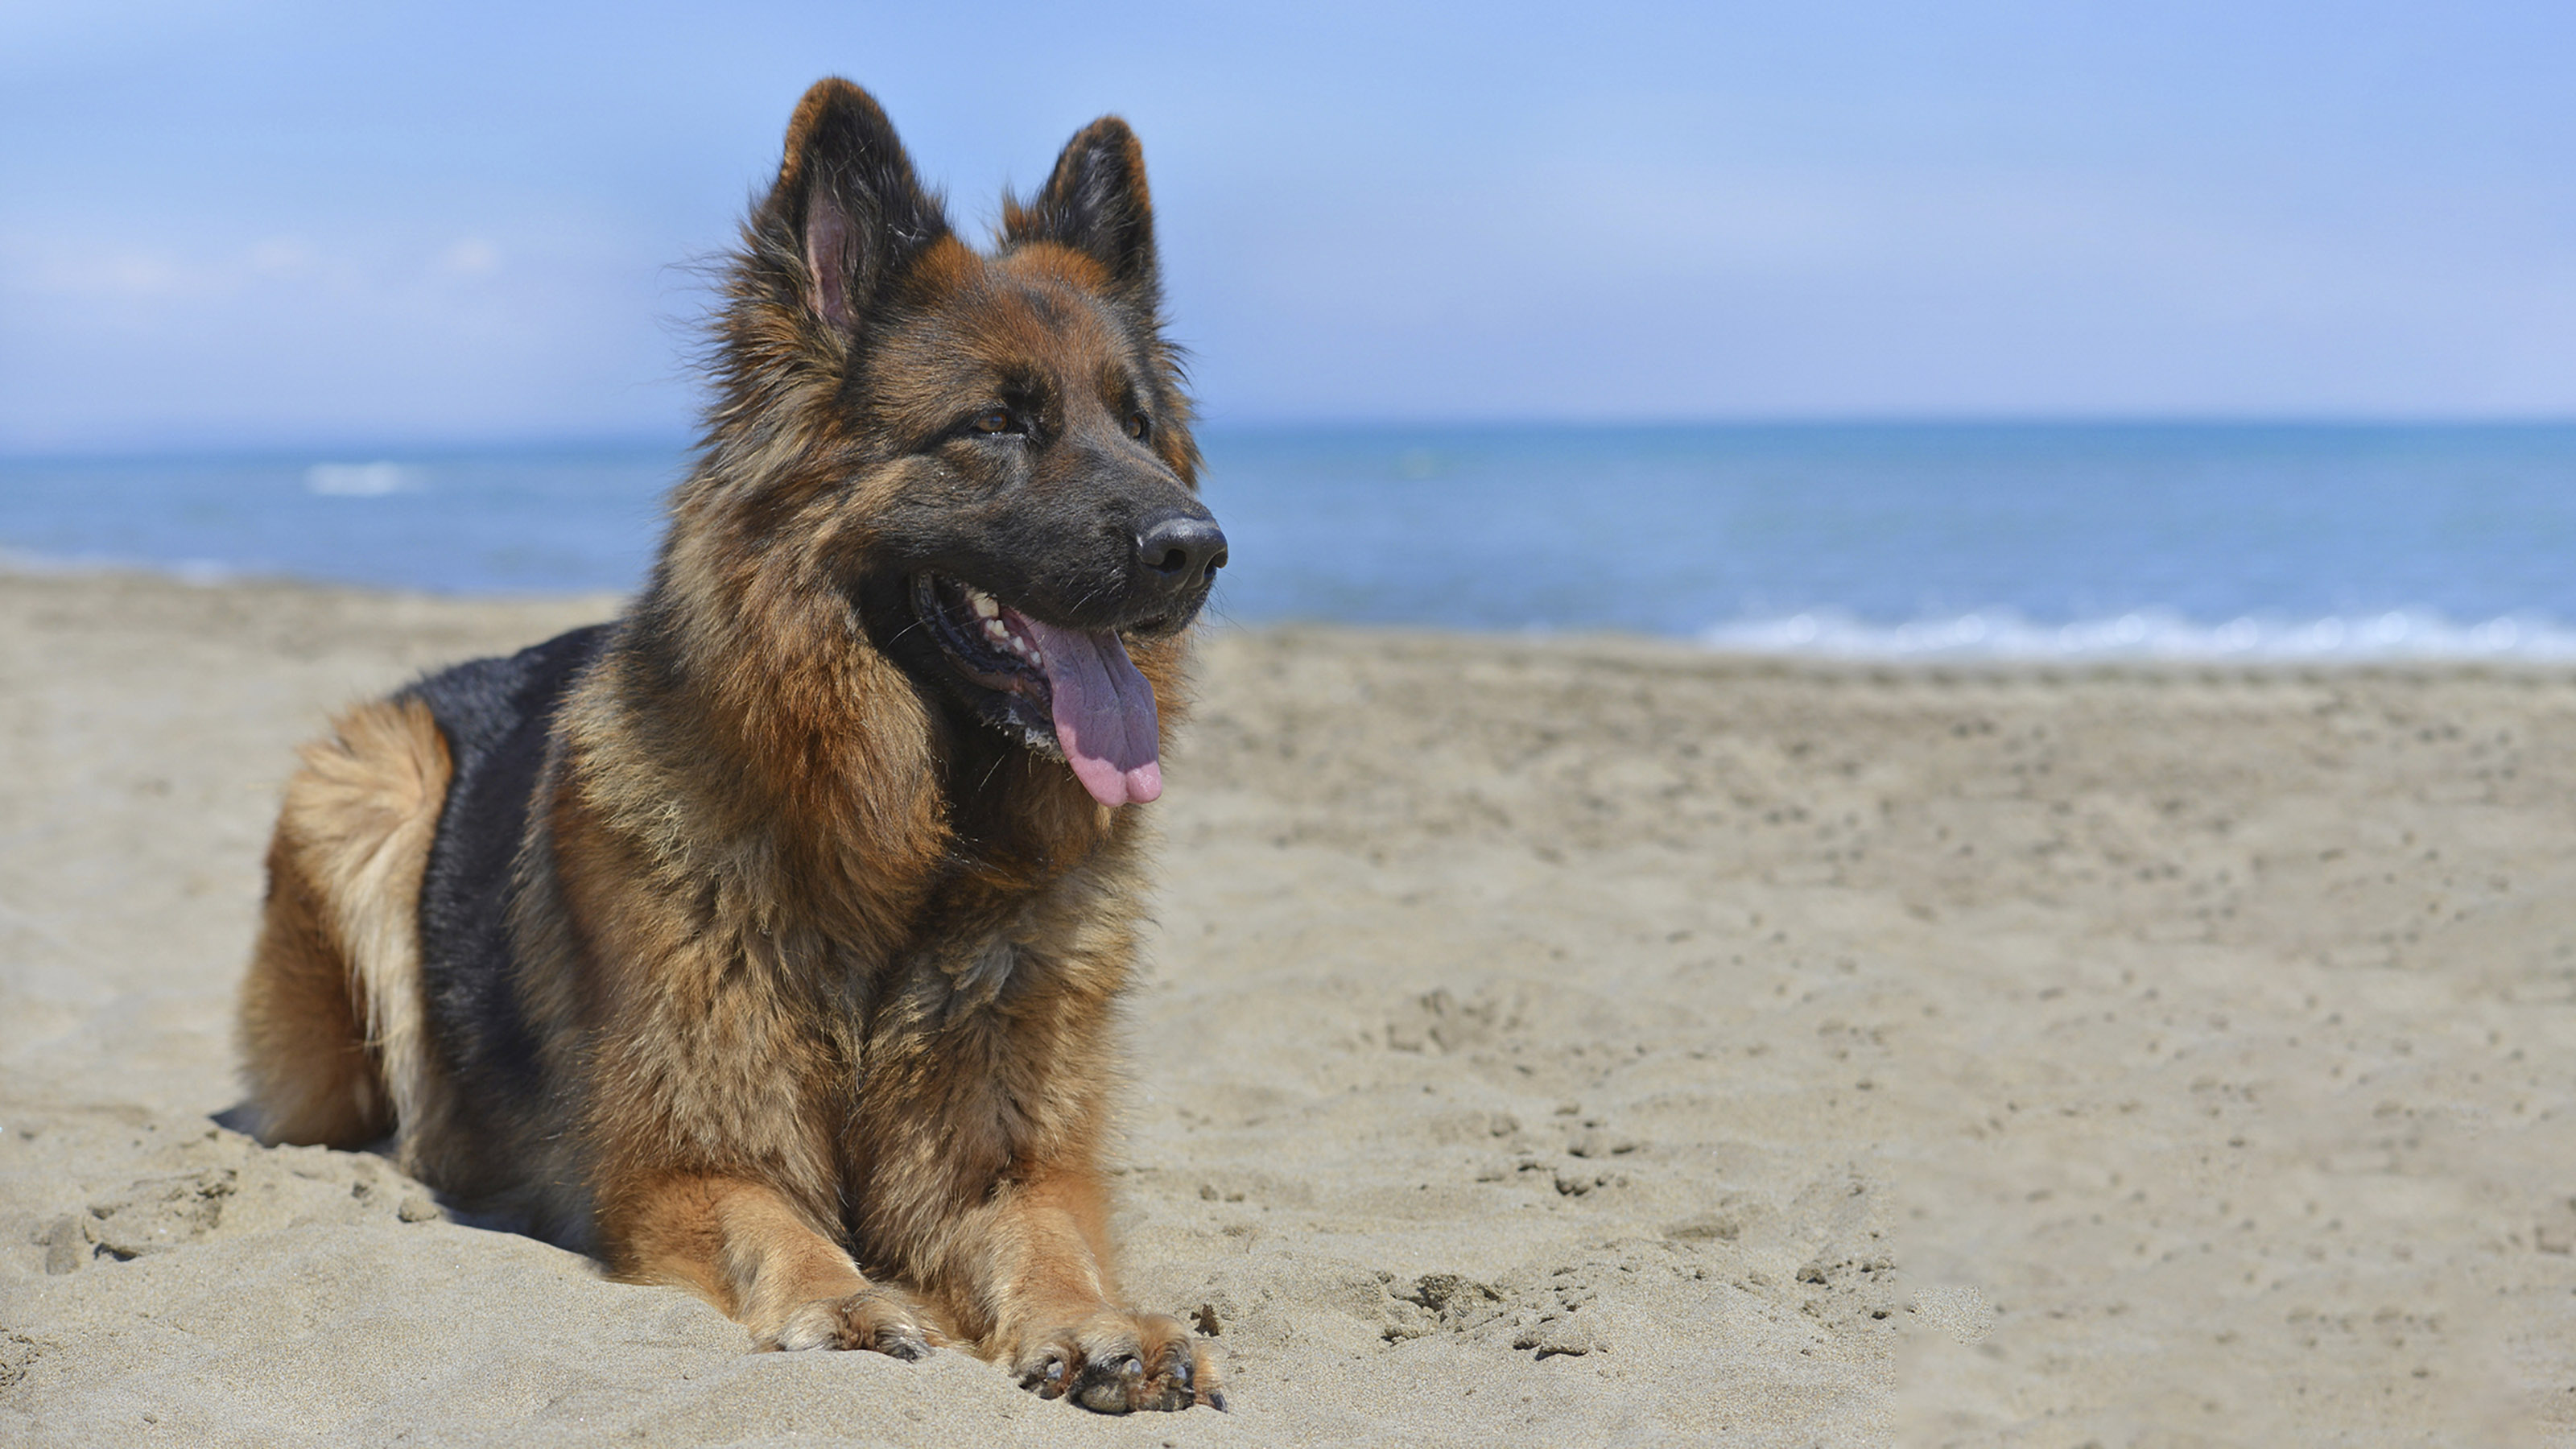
{"x":1572,"y":1039}
{"x":1683,"y":648}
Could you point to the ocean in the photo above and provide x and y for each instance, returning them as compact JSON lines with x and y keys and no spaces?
{"x":1988,"y":540}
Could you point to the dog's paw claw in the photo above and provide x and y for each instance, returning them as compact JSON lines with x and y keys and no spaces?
{"x":1121,"y":1363}
{"x":1045,"y":1380}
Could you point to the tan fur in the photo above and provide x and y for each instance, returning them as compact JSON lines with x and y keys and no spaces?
{"x":831,"y":1028}
{"x":330,"y":1020}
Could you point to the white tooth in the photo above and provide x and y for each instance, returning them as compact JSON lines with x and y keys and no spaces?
{"x":994,"y":630}
{"x":984,"y":603}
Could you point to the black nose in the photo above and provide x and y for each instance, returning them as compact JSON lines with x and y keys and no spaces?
{"x":1181,"y":550}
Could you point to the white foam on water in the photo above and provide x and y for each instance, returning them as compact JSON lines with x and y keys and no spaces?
{"x":2152,"y":634}
{"x":204,"y":572}
{"x":361,"y":480}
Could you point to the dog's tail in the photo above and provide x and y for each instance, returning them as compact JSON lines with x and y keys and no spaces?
{"x":331,"y":1014}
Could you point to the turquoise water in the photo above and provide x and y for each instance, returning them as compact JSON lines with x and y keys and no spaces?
{"x":1971,"y":539}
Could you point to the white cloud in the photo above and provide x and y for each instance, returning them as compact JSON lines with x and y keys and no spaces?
{"x":470,"y":256}
{"x":148,"y":340}
{"x":281,"y":255}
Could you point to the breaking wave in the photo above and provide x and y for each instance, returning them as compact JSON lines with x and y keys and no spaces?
{"x":2153,"y":634}
{"x":361,"y":480}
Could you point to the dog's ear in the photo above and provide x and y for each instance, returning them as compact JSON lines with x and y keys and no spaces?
{"x":1096,"y":203}
{"x":848,"y":199}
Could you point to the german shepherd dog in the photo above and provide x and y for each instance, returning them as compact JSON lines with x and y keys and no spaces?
{"x":769,"y":940}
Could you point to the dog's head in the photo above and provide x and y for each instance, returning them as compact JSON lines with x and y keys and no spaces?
{"x":986,"y":456}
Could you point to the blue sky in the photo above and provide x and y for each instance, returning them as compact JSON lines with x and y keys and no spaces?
{"x":293,"y":224}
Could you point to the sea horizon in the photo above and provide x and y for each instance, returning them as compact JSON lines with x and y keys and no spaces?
{"x":2038,"y":538}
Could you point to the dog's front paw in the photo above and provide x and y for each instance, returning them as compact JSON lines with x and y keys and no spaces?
{"x":880,"y":1320}
{"x":1120,"y":1362}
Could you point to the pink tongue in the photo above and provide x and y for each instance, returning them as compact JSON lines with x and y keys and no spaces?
{"x":1104,"y":713}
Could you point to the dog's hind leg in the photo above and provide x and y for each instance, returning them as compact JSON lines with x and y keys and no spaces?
{"x":330,"y":1018}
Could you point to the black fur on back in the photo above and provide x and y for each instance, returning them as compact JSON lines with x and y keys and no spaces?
{"x":497,"y":715}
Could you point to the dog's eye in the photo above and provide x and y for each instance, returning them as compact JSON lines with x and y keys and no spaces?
{"x":995,"y":420}
{"x":1137,"y":425}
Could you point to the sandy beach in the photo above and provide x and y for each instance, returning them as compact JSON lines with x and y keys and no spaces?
{"x":1563,"y":1041}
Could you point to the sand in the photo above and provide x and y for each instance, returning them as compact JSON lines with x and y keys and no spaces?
{"x":1569,"y":1041}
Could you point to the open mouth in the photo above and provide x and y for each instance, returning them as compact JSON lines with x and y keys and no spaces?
{"x":1068,"y":693}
